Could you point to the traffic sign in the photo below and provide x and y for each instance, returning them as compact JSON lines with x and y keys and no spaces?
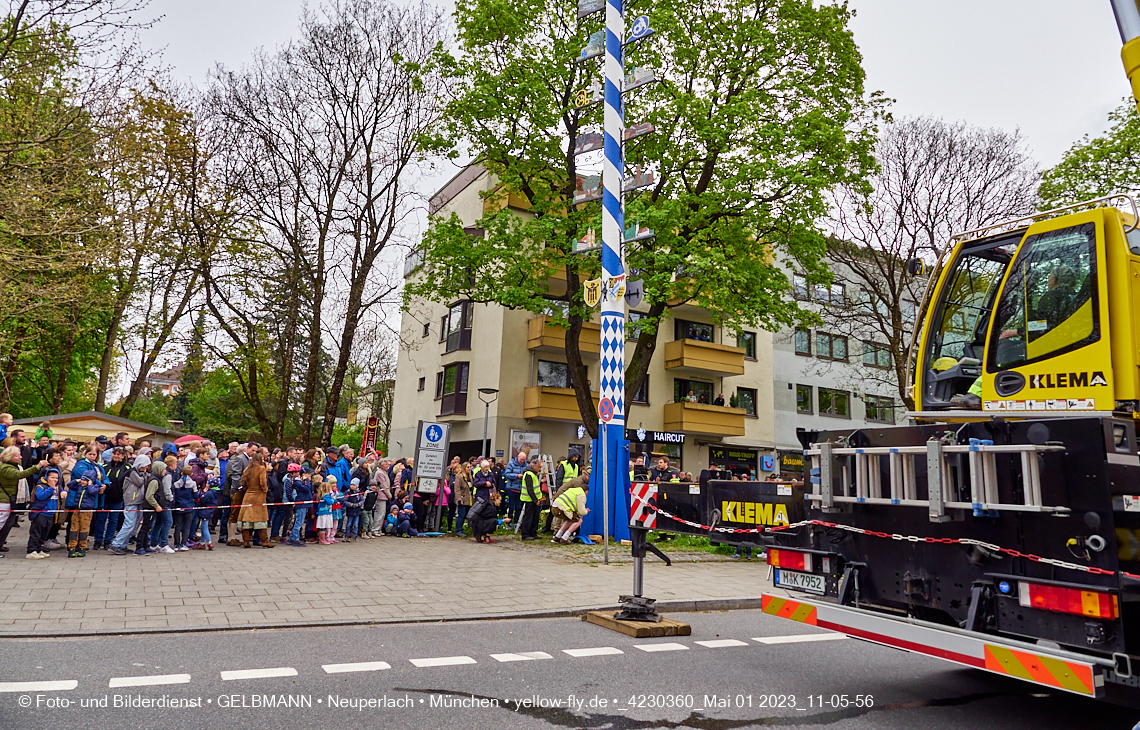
{"x":605,"y":410}
{"x":431,"y":450}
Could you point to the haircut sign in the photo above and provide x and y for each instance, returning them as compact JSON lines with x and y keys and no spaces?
{"x":431,"y":454}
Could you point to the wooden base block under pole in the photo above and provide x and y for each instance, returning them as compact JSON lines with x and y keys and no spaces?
{"x":638,"y":629}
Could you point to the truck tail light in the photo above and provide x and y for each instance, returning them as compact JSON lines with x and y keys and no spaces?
{"x":1068,"y":600}
{"x":789,"y":559}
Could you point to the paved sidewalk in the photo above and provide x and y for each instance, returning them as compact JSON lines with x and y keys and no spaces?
{"x":383,"y":579}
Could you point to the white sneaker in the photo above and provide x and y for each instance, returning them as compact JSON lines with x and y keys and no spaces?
{"x":36,"y":556}
{"x":166,"y":549}
{"x":181,"y":549}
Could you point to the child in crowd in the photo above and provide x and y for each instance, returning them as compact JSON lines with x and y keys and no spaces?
{"x":392,"y":520}
{"x":44,"y":430}
{"x":338,"y":506}
{"x":44,"y":507}
{"x":407,"y":519}
{"x":185,"y":500}
{"x":206,"y":501}
{"x":299,"y":491}
{"x":5,"y":423}
{"x":353,"y":503}
{"x":371,"y":495}
{"x":326,"y":525}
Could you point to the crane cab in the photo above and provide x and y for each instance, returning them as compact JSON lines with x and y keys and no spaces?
{"x":1035,"y":317}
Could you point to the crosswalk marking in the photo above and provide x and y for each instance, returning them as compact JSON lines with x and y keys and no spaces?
{"x":672,"y":646}
{"x":357,"y":667}
{"x":443,"y":661}
{"x":798,"y":638}
{"x":722,"y":643}
{"x":49,"y":686}
{"x":259,"y":673}
{"x":522,"y":656}
{"x":596,"y":651}
{"x":154,"y":679}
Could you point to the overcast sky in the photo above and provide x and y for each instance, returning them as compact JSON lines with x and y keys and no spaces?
{"x":1049,"y":67}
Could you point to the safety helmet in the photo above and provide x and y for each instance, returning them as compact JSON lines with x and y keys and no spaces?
{"x":943,"y":363}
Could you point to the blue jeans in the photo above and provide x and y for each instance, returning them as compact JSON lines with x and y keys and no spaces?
{"x":515,"y":505}
{"x":131,"y":517}
{"x":299,"y":513}
{"x":277,"y":517}
{"x":106,"y":524}
{"x":351,"y":525}
{"x":205,"y":525}
{"x":160,"y":533}
{"x":460,"y":518}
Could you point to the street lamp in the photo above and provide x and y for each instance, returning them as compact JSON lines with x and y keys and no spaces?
{"x":492,"y":394}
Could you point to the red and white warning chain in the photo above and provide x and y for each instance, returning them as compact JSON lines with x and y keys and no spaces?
{"x":902,"y":538}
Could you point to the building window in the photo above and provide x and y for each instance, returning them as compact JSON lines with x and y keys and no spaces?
{"x":642,"y":394}
{"x":632,"y":328}
{"x":747,"y":342}
{"x":746,"y":399}
{"x":803,"y":342}
{"x":834,"y":403}
{"x":694,"y":391}
{"x":451,"y":389}
{"x":879,"y":408}
{"x":830,"y":347}
{"x":876,"y":355}
{"x":423,"y":384}
{"x":686,"y":330}
{"x":553,"y":374}
{"x":427,"y":328}
{"x":800,"y":288}
{"x":456,"y":327}
{"x":803,"y":399}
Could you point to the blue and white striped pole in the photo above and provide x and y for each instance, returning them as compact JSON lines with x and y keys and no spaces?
{"x":613,"y":225}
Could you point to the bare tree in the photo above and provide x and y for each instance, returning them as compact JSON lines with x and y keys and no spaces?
{"x":935,"y":179}
{"x":324,"y":134}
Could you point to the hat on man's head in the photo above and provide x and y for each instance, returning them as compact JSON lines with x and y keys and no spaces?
{"x":102,"y":439}
{"x":331,"y":450}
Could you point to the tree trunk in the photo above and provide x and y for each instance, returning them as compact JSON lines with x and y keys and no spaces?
{"x":348,"y":334}
{"x":60,"y":389}
{"x":638,"y":366}
{"x":10,"y":367}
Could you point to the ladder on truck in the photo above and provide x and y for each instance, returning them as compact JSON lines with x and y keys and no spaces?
{"x":943,"y":477}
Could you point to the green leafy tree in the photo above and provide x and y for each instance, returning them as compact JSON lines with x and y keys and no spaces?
{"x":761,"y":110}
{"x":1097,"y":166}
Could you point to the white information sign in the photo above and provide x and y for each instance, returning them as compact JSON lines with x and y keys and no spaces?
{"x":431,"y":450}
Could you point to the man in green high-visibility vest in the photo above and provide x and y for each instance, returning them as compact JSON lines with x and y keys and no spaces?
{"x":568,"y":469}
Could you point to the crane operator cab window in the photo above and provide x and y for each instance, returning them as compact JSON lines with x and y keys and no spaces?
{"x":1049,"y":303}
{"x":961,"y":316}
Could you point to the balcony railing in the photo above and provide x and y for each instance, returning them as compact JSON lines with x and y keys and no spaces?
{"x":557,"y":404}
{"x":699,"y":418}
{"x":704,"y":357}
{"x":545,"y":336}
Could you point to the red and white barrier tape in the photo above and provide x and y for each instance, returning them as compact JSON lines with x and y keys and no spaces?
{"x":906,"y":538}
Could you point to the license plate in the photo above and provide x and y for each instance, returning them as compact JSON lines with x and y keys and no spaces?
{"x":800,"y":581}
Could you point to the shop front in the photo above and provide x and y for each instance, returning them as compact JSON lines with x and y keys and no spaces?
{"x":651,"y":444}
{"x":791,"y":462}
{"x":736,"y":459}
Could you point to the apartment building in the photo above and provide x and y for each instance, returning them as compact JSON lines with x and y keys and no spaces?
{"x":836,"y":375}
{"x":480,"y":366}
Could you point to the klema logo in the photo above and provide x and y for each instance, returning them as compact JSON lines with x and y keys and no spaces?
{"x":755,"y":513}
{"x":1067,"y":380}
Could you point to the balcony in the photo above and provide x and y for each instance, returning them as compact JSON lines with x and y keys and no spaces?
{"x":698,"y":418}
{"x":554,"y":404}
{"x":698,"y":358}
{"x":545,"y":336}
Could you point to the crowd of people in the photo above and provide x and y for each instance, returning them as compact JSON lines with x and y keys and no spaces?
{"x":125,"y":497}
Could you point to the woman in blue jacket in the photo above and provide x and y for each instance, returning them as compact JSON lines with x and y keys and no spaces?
{"x":84,"y":493}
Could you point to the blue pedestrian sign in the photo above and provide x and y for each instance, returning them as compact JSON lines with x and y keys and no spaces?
{"x":434,"y":433}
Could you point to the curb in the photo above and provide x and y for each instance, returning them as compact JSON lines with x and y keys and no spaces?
{"x":681,"y":606}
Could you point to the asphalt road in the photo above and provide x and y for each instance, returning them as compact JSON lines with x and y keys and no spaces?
{"x":480,"y":675}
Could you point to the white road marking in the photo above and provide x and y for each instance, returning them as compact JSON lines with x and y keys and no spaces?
{"x":661,"y":647}
{"x":39,"y":686}
{"x":597,"y":651}
{"x":148,"y":681}
{"x":722,"y":643}
{"x":443,"y":661}
{"x":522,"y":656}
{"x":798,"y":638}
{"x":357,"y":667}
{"x":259,"y":673}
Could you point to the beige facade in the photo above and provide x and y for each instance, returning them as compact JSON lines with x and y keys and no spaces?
{"x":450,"y":350}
